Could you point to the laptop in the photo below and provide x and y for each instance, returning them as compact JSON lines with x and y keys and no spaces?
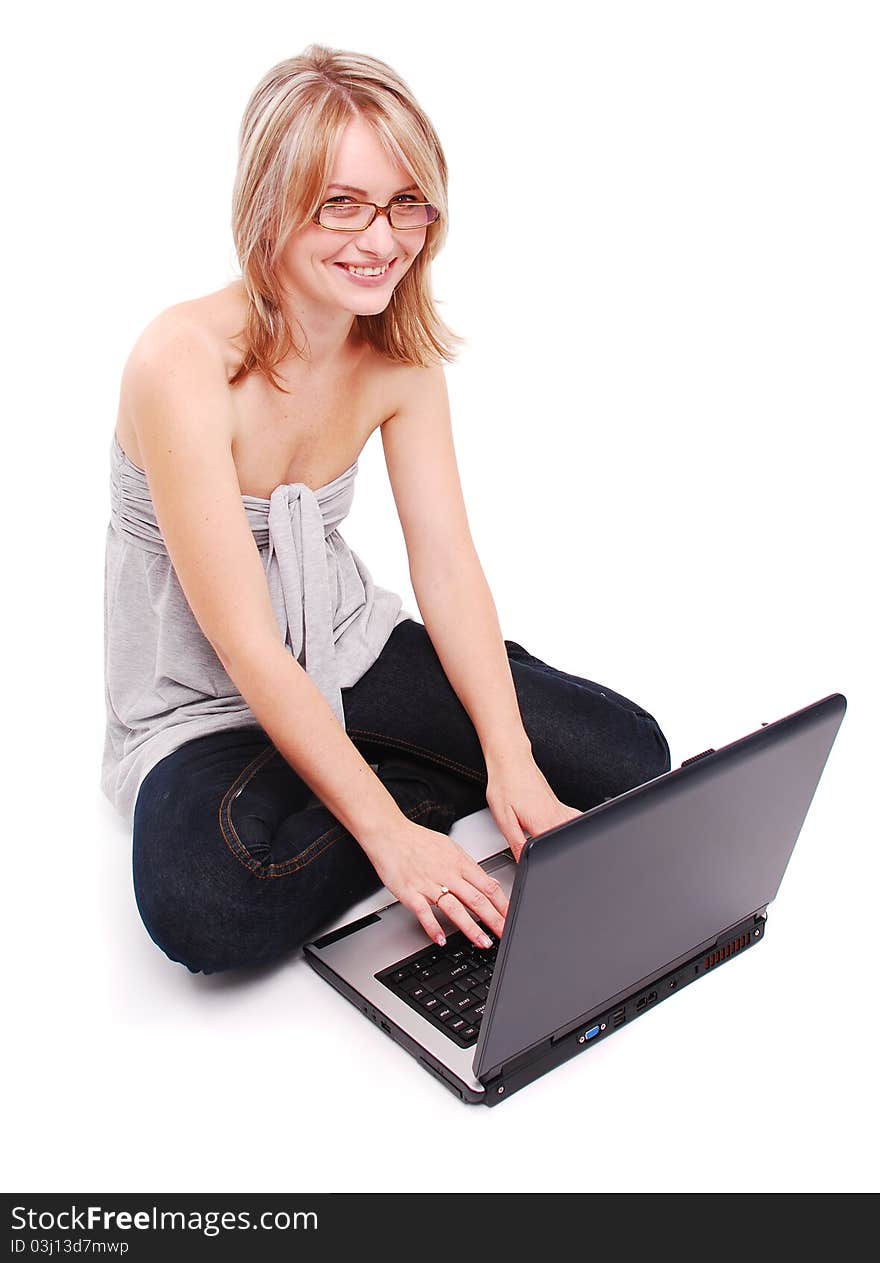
{"x":610,"y":914}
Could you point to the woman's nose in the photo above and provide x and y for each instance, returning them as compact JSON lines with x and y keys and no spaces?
{"x":378,"y":237}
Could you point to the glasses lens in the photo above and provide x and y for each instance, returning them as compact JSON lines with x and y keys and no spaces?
{"x":349,"y":215}
{"x":412,"y":214}
{"x":355,"y":216}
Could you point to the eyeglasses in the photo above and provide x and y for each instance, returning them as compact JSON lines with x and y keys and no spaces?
{"x":357,"y":216}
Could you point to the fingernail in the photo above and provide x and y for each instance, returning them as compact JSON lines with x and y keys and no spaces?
{"x":485,"y":941}
{"x":441,"y":940}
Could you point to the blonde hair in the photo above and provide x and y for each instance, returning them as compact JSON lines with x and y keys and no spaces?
{"x":287,"y":141}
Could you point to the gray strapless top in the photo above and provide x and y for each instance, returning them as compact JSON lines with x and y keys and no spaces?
{"x":164,"y":684}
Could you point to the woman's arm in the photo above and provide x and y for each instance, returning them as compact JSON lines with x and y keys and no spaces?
{"x":457,"y":606}
{"x":461,"y":619}
{"x":454,"y":598}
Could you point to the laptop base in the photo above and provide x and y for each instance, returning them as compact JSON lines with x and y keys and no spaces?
{"x":537,"y":1061}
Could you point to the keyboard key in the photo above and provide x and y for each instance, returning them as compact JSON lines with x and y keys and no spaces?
{"x":409,"y":985}
{"x":457,"y":1024}
{"x":443,"y":965}
{"x":448,"y":993}
{"x":480,"y":991}
{"x":419,"y":991}
{"x":427,"y":974}
{"x":465,"y":1002}
{"x":430,"y":1002}
{"x":444,"y":1013}
{"x":400,"y":974}
{"x":469,"y":1032}
{"x":476,"y":1012}
{"x":481,"y":974}
{"x":466,"y":983}
{"x":441,"y":978}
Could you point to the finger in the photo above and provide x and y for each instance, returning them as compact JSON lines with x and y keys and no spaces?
{"x":482,"y":907}
{"x":490,"y":887}
{"x":512,"y":830}
{"x":453,"y":908}
{"x":422,"y":908}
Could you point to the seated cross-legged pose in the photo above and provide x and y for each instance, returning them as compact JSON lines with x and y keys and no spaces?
{"x":282,"y":737}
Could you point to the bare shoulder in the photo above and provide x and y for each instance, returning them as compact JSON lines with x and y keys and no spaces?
{"x":183,"y":344}
{"x":410,"y":387}
{"x":209,"y":323}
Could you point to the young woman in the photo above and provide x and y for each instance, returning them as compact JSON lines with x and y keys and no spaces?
{"x":281,"y":735}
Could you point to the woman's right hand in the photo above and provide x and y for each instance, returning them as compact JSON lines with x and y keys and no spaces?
{"x":414,"y":863}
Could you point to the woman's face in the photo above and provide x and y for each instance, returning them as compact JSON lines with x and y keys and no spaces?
{"x":315,"y":260}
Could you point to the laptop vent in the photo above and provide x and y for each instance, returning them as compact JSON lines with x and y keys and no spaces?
{"x":730,"y":949}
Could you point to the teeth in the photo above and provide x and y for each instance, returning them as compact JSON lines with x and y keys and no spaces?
{"x":365,"y":271}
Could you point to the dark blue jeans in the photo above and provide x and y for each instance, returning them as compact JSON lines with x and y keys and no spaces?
{"x":237,"y":863}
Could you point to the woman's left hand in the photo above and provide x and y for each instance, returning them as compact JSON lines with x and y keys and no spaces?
{"x":522,"y":802}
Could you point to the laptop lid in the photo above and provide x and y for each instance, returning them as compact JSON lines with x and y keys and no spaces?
{"x":604,"y":902}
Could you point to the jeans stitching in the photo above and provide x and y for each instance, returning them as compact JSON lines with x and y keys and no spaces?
{"x":243,"y":855}
{"x":332,"y":835}
{"x":234,"y":842}
{"x":407,"y":747}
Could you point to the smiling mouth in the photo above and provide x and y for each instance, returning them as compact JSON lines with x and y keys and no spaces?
{"x":358,"y":269}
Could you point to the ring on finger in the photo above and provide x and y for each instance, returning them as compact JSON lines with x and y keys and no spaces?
{"x":444,"y":890}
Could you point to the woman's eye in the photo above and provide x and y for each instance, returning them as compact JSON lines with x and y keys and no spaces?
{"x":339,"y":198}
{"x":405,"y":197}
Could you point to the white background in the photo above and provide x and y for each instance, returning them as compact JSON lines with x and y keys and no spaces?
{"x":664,"y":254}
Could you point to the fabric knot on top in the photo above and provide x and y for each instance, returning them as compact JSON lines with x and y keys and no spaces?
{"x":302,"y":574}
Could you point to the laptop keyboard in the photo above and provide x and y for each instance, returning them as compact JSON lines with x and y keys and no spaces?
{"x":447,"y":985}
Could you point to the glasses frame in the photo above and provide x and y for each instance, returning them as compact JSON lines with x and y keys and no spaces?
{"x":378,"y":210}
